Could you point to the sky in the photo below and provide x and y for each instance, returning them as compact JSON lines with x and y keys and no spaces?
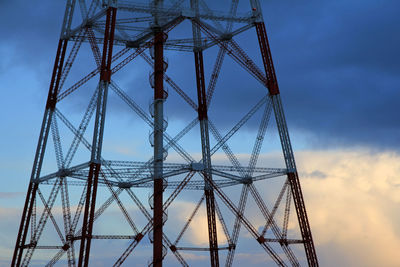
{"x":338,"y":69}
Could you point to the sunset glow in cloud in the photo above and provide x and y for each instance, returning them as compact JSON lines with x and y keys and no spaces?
{"x":337,"y":64}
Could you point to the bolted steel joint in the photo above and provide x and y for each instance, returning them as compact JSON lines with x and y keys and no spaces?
{"x":261,"y":239}
{"x":65,"y":247}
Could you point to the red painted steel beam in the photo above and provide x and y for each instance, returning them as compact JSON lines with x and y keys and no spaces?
{"x":293,"y":177}
{"x":303,"y":219}
{"x":56,"y":76}
{"x":32,"y":188}
{"x":149,"y":225}
{"x":200,"y":81}
{"x":272,"y":82}
{"x":87,"y":227}
{"x":95,"y":166}
{"x":235,"y":52}
{"x":208,"y":191}
{"x":252,"y":230}
{"x":24,"y":225}
{"x":158,"y":132}
{"x":120,"y":65}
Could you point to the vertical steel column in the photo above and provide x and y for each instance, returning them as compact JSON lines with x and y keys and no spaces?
{"x":158,"y":146}
{"x":293,"y":177}
{"x":205,"y":138}
{"x":95,"y":164}
{"x":205,"y":144}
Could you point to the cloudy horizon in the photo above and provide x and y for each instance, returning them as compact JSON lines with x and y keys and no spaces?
{"x":337,"y":66}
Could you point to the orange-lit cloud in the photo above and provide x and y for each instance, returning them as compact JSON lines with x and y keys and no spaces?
{"x":352,"y":198}
{"x":197,"y":231}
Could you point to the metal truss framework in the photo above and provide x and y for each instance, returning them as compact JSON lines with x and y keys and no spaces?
{"x":149,"y":26}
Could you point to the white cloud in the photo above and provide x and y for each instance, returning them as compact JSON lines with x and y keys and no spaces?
{"x":351,"y":199}
{"x":352,"y":208}
{"x":197,"y":232}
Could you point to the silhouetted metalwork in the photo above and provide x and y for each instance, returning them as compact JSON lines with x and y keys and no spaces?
{"x":64,"y":207}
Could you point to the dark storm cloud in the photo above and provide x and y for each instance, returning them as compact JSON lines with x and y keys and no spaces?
{"x":337,"y":65}
{"x":30,"y":32}
{"x":31,"y":28}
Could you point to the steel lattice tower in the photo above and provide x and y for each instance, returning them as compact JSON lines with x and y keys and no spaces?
{"x":69,"y":210}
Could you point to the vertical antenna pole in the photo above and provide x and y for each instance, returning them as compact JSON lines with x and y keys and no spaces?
{"x":159,"y":97}
{"x":158,"y":147}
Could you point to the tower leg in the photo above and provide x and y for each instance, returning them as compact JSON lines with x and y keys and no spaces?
{"x":24,"y":225}
{"x":205,"y":144}
{"x":205,"y":139}
{"x":286,"y":146}
{"x":95,"y":165}
{"x":40,"y":151}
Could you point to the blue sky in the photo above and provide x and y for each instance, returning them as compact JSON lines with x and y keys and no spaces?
{"x":338,"y":68}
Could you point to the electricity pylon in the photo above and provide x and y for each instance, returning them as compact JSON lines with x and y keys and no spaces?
{"x":74,"y":206}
